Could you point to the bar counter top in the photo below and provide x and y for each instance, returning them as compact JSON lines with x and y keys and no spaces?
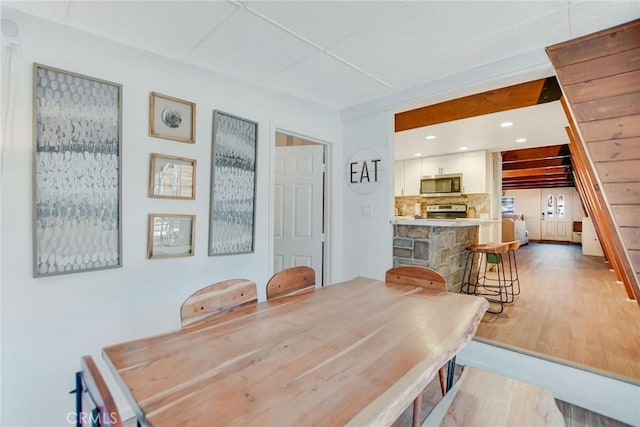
{"x":431,"y":222}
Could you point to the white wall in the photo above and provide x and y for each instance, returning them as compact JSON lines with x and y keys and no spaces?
{"x":528,"y":203}
{"x":49,"y":323}
{"x":367,"y":239}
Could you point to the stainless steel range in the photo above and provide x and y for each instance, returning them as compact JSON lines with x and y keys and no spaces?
{"x":451,"y":211}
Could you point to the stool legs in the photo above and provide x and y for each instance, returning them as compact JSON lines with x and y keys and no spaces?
{"x":498,"y":289}
{"x":513,"y":271}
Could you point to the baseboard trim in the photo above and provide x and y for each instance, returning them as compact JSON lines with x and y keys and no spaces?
{"x":598,"y":393}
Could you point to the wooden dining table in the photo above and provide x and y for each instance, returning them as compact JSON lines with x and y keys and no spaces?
{"x":354,"y":353}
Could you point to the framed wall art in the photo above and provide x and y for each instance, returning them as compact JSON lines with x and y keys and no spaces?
{"x":172,"y":177}
{"x":233,"y":185}
{"x":170,"y":235}
{"x":172,"y":118}
{"x":77,"y":173}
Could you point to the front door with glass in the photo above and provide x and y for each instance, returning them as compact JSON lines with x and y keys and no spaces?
{"x":556,"y":216}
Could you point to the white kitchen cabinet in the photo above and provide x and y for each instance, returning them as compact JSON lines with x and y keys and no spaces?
{"x":412,"y":176}
{"x":476,"y":166}
{"x":442,"y":165}
{"x":398,"y":182}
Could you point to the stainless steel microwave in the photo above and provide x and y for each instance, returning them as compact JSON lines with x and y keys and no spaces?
{"x":441,"y":185}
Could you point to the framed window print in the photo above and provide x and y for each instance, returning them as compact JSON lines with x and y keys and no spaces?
{"x":77,"y":173}
{"x":170,"y":235}
{"x":172,"y":118}
{"x":233,"y":185}
{"x":172,"y":177}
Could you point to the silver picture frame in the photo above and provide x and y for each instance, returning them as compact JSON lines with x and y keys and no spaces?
{"x":77,"y":167}
{"x":232,"y":207}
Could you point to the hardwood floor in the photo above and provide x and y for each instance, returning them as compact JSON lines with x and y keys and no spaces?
{"x":570,"y":309}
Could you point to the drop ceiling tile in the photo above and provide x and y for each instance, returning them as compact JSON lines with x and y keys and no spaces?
{"x":324,"y":80}
{"x":324,"y":22}
{"x":428,"y":32}
{"x":55,"y":11}
{"x":532,"y":35}
{"x":168,"y":28}
{"x":249,"y":48}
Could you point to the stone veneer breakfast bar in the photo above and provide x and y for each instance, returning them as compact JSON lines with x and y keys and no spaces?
{"x":436,"y":244}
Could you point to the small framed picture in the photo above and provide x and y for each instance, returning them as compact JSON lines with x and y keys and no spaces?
{"x":172,"y":177}
{"x":172,"y":118}
{"x":171,"y":235}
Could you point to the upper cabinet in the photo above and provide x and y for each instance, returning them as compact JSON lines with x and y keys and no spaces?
{"x":398,"y":182}
{"x":441,"y":165}
{"x":412,"y":175}
{"x":476,"y":168}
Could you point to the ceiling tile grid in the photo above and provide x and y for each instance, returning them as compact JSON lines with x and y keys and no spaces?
{"x":337,"y":53}
{"x":156,"y":30}
{"x":325,"y":80}
{"x":249,"y":48}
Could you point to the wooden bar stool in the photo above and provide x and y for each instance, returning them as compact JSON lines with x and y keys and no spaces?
{"x":478,"y":279}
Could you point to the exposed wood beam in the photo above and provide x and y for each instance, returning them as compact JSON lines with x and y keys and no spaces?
{"x":529,"y":164}
{"x":551,"y":152}
{"x":535,"y":186}
{"x":554,"y":170}
{"x":493,"y":101}
{"x":539,"y":178}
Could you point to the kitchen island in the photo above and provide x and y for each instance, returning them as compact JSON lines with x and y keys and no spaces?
{"x":436,"y":243}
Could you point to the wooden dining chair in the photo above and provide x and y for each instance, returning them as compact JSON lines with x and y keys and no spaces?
{"x":430,"y":279}
{"x":94,"y":403}
{"x":291,"y":281}
{"x":416,"y":276}
{"x":221,"y":297}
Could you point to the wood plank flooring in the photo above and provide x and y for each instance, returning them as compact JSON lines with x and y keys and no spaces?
{"x":570,"y":309}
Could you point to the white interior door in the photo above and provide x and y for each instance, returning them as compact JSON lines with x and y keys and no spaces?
{"x":557,"y":217}
{"x":299,"y":192}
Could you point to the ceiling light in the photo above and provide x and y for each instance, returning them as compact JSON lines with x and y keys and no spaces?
{"x":521,"y":140}
{"x":417,"y":154}
{"x":430,"y":137}
{"x":463,"y":148}
{"x":506,"y":124}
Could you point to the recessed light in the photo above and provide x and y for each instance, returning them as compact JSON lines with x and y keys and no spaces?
{"x":463,"y":148}
{"x":521,"y":140}
{"x":430,"y":137}
{"x":506,"y":124}
{"x":417,"y":154}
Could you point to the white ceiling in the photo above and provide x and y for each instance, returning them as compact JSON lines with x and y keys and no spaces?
{"x":345,"y":53}
{"x":336,"y":53}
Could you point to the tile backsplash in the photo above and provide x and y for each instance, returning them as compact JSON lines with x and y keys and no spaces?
{"x":405,"y":205}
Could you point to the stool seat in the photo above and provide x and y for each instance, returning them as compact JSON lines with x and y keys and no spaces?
{"x":513,"y":245}
{"x":489,"y":248}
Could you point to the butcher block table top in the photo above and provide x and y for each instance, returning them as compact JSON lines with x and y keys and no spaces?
{"x":354,"y":353}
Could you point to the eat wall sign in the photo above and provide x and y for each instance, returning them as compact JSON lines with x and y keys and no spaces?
{"x":365,"y":171}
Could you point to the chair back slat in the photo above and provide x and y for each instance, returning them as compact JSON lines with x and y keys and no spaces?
{"x":290,"y":281}
{"x":96,"y":395}
{"x":416,"y":276}
{"x":221,"y":297}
